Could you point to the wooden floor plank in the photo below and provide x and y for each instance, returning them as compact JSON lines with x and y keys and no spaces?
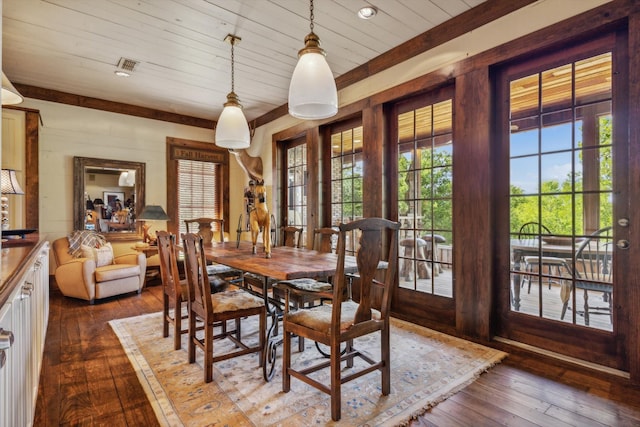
{"x":87,"y":379}
{"x":529,"y":408}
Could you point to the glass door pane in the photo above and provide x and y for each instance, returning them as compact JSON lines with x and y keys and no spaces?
{"x":561,"y":193}
{"x":425,"y":198}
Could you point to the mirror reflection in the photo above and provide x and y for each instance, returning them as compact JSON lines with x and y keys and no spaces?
{"x":109,"y":195}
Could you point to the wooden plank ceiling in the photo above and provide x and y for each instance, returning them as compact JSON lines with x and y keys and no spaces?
{"x":183,"y":64}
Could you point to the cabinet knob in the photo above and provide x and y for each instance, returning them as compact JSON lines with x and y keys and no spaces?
{"x":6,"y":339}
{"x":27,"y":289}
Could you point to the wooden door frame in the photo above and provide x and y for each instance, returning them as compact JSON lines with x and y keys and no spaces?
{"x":186,"y":149}
{"x":604,"y":348}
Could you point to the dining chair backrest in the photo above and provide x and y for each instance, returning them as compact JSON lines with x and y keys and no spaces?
{"x":594,"y":258}
{"x":291,"y":236}
{"x":378,"y":243}
{"x":199,"y":289}
{"x":530,"y":231}
{"x":174,"y":292}
{"x":325,"y":239}
{"x":206,"y":228}
{"x":168,"y":263}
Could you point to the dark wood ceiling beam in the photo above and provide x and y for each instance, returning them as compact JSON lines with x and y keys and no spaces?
{"x":110,"y":106}
{"x":455,"y":27}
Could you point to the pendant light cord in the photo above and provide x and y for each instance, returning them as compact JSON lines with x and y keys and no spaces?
{"x":311,"y":15}
{"x":233,"y":42}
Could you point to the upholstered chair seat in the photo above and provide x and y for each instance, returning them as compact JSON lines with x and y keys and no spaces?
{"x":319,"y":318}
{"x":83,"y":278}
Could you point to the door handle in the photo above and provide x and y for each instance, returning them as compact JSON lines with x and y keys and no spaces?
{"x":622,"y":244}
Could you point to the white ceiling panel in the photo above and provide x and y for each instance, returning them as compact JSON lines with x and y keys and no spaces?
{"x":184,"y":64}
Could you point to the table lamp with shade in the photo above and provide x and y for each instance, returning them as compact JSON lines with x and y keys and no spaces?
{"x":98,"y":203}
{"x":9,"y":185}
{"x":151,"y":213}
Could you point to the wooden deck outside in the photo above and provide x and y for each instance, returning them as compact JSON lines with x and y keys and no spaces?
{"x":87,"y":380}
{"x":529,"y":303}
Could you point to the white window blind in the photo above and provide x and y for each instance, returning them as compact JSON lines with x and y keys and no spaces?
{"x":199,"y":192}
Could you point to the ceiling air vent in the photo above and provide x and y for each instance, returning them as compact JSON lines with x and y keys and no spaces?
{"x":127,"y":64}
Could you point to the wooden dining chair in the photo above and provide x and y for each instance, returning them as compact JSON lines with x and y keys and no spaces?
{"x":231,"y":304}
{"x":174,"y":290}
{"x":593,"y":272}
{"x":325,"y":239}
{"x":207,"y":228}
{"x":344,"y":321}
{"x":291,"y":236}
{"x":537,"y":267}
{"x":316,"y":289}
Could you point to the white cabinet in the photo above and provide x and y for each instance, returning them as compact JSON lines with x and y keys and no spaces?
{"x":25,"y":316}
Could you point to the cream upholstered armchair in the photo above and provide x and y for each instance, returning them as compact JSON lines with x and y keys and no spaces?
{"x":86,"y":278}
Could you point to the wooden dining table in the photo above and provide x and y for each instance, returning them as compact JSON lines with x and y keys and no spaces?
{"x":285,"y":263}
{"x":521,"y":249}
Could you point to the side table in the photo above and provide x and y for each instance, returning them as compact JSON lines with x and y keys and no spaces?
{"x":152,"y":272}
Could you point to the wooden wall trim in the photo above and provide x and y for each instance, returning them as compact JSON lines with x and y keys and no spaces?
{"x":314,"y":141}
{"x":218,"y":154}
{"x":373,"y":145}
{"x":299,"y":129}
{"x":110,"y":106}
{"x":32,"y":175}
{"x":633,"y":287}
{"x":472,"y":207}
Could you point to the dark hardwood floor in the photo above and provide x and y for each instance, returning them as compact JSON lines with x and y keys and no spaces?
{"x":87,"y":380}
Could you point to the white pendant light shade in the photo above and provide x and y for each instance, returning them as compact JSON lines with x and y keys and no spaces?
{"x":10,"y":94}
{"x":232,"y":130}
{"x":312,"y":91}
{"x":127,"y":179}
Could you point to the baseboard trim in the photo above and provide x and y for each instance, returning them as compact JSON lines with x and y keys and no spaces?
{"x":569,"y":359}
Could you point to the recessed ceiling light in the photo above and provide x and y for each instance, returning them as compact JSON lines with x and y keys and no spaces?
{"x":367,"y":12}
{"x":121,"y":73}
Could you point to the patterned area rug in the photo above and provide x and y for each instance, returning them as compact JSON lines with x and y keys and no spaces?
{"x":427,"y":367}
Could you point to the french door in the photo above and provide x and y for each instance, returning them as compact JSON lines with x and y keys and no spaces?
{"x":563,"y":169}
{"x":422,"y":200}
{"x":295,"y":176}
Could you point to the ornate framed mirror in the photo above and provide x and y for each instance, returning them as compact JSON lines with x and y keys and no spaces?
{"x":108,"y":196}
